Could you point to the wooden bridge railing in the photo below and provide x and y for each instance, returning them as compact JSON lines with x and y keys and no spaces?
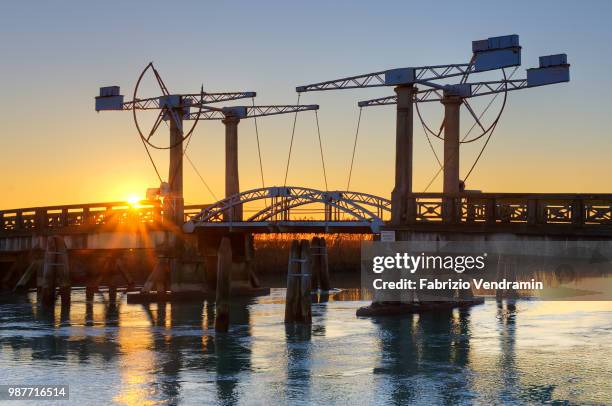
{"x":85,"y":216}
{"x":510,"y":208}
{"x":588,"y":210}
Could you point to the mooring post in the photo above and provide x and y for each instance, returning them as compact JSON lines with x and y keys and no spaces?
{"x":224,"y":270}
{"x":305,"y":315}
{"x":298,"y":301}
{"x":121,"y":269}
{"x":291,"y":296}
{"x":315,"y":266}
{"x":40,"y":279}
{"x":64,"y":273}
{"x":48,"y":276}
{"x":324,"y":282}
{"x":499,"y":294}
{"x":89,"y":293}
{"x":250,"y":260}
{"x":32,"y":269}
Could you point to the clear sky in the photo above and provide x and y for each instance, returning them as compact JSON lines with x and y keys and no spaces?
{"x":56,"y":149}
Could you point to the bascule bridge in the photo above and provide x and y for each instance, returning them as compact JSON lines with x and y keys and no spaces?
{"x":181,"y":234}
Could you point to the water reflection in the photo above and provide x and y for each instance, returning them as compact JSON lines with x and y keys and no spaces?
{"x":168,"y":353}
{"x":416,"y":347}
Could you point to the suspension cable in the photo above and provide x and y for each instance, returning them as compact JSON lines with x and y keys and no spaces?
{"x":348,"y":183}
{"x":477,"y":121}
{"x":291,"y":143}
{"x":431,"y":146}
{"x":152,"y":161}
{"x":261,"y":172}
{"x":200,"y":176}
{"x":489,"y":131}
{"x":479,"y":154}
{"x":321,"y":149}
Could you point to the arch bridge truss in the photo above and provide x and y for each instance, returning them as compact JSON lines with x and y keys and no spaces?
{"x":281,"y":206}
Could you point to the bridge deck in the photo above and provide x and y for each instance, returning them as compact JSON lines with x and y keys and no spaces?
{"x":544,"y":214}
{"x":263,"y":227}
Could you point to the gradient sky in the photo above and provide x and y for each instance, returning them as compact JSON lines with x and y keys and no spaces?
{"x":56,"y":149}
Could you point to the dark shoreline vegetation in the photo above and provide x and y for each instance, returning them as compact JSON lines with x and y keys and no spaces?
{"x":272,"y":251}
{"x":271,"y":256}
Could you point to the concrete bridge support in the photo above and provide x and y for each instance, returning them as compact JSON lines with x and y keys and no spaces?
{"x":232,"y":180}
{"x":403,"y":155}
{"x":452,"y":106}
{"x":244,"y":281}
{"x":175,"y":209}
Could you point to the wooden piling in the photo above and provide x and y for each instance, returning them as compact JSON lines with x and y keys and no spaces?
{"x":315,"y":266}
{"x":324,"y":283}
{"x":89,"y":293}
{"x":292,"y":294}
{"x":47,"y":287}
{"x":31,"y":270}
{"x":298,"y":300}
{"x":112,"y":294}
{"x":224,"y":269}
{"x":249,"y":249}
{"x":305,"y":315}
{"x":63,"y":273}
{"x":56,"y":272}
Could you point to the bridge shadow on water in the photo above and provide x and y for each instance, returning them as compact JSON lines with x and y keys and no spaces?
{"x":169,"y":353}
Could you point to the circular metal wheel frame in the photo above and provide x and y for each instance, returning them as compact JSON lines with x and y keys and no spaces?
{"x":164,"y":112}
{"x":484,"y":132}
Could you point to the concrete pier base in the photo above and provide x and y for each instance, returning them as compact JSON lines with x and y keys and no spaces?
{"x":377,"y":309}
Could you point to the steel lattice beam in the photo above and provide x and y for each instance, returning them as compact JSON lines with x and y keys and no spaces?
{"x":465,"y":90}
{"x":377,"y":79}
{"x":189,"y":100}
{"x":249,"y":111}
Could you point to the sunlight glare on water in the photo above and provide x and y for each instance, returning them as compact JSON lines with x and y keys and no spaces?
{"x":527,"y":353}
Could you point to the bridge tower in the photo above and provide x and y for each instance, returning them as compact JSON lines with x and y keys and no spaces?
{"x":172,"y":108}
{"x":503,"y":52}
{"x":552,"y":69}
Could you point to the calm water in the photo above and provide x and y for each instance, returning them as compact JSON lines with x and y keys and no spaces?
{"x":532,"y":353}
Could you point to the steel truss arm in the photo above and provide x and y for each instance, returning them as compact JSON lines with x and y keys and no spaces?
{"x":189,"y":100}
{"x":465,"y":90}
{"x":250,"y":111}
{"x":376,"y":79}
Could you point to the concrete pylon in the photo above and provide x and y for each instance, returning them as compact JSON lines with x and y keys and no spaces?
{"x":403,"y":155}
{"x":176,"y":206}
{"x":232,"y":183}
{"x":175,"y":174}
{"x":452,"y":106}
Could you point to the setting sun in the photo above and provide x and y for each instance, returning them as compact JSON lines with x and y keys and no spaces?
{"x":133,"y":200}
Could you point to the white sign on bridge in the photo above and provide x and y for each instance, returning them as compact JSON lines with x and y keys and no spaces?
{"x":387,"y":236}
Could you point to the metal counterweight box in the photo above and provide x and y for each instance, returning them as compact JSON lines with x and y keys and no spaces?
{"x":109,"y":99}
{"x":400,"y":76}
{"x":553,"y":60}
{"x":109,"y":91}
{"x":548,"y":75}
{"x":497,"y":59}
{"x":109,"y":103}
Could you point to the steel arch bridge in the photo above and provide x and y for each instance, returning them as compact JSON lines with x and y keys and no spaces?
{"x":342,"y":211}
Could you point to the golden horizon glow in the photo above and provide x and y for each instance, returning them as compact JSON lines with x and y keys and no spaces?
{"x":133,"y":200}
